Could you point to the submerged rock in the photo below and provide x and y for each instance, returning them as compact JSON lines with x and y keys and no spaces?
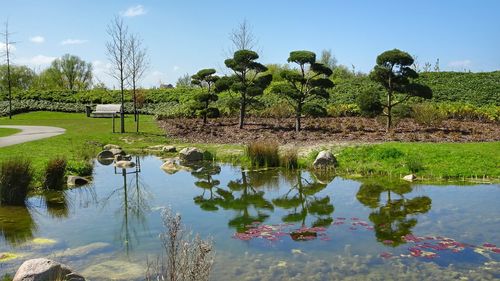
{"x":44,"y":269}
{"x":410,"y":177}
{"x":171,"y":167}
{"x":324,"y":159}
{"x":8,"y":256}
{"x":114,"y":270}
{"x":191,"y":154}
{"x":83,"y":251}
{"x":76,"y":181}
{"x":125,"y":164}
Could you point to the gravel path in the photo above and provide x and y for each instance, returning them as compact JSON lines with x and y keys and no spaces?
{"x":29,"y":133}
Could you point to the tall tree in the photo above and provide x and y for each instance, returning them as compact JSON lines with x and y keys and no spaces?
{"x":242,"y":37}
{"x":205,"y":78}
{"x":137,"y":65}
{"x":394,"y":72}
{"x":7,"y":46}
{"x":184,"y":81}
{"x":305,"y":84}
{"x":118,"y":51}
{"x":247,"y":80}
{"x":21,"y":77}
{"x":328,"y":59}
{"x":74,"y":73}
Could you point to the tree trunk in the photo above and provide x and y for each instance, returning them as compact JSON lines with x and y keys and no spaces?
{"x":242,"y":112}
{"x":122,"y":114}
{"x":135,"y":104}
{"x":205,"y":113}
{"x":389,"y":112}
{"x":298,"y":114}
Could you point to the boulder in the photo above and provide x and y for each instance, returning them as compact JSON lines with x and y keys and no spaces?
{"x":124,"y":164}
{"x":117,"y":151}
{"x":76,"y":181}
{"x":410,"y":177}
{"x":111,"y":146}
{"x":120,"y":157}
{"x":43,"y":270}
{"x":171,"y":167}
{"x":191,"y":154}
{"x":169,"y":148}
{"x":324,"y":159}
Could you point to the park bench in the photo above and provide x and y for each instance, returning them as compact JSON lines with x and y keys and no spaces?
{"x":106,"y":110}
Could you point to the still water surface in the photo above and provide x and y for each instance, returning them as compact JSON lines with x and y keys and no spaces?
{"x":266,"y":225}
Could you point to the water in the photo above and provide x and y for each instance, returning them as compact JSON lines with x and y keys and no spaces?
{"x":266,"y":225}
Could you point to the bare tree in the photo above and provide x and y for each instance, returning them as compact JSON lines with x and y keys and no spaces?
{"x":137,"y":64}
{"x":8,"y":43}
{"x":328,"y":59}
{"x":242,"y":38}
{"x":118,"y":51}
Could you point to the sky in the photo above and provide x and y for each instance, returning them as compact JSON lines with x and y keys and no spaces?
{"x":184,"y":36}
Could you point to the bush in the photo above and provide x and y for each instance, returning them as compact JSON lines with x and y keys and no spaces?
{"x":369,"y":103}
{"x":427,"y":115}
{"x":413,"y":164}
{"x":80,"y":168}
{"x":54,"y":173}
{"x":402,"y":111}
{"x":289,"y":159}
{"x":263,"y":154}
{"x":342,"y":110}
{"x":16,"y":176}
{"x":279,"y":110}
{"x":314,"y":110}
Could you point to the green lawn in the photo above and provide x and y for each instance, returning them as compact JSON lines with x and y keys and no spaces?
{"x":8,"y":131}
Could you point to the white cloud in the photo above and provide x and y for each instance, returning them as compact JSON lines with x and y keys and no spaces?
{"x":157,"y":73}
{"x":134,"y":11}
{"x":176,"y":67}
{"x":12,"y":48}
{"x":38,"y":60}
{"x":73,"y":42}
{"x":37,"y":39}
{"x":460,"y":63}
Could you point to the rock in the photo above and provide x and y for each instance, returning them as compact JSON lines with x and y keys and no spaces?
{"x":76,"y":181}
{"x":117,"y":151}
{"x":105,"y":154}
{"x":156,"y":147}
{"x":115,"y":270}
{"x":410,"y":177}
{"x":169,"y":148}
{"x":120,"y":157}
{"x":84,"y":251}
{"x":191,"y":154}
{"x":111,"y":146}
{"x":324,"y":159}
{"x":172,"y":167}
{"x":125,"y":164}
{"x":43,"y":270}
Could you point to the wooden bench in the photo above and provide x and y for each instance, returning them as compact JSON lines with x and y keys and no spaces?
{"x":106,"y":110}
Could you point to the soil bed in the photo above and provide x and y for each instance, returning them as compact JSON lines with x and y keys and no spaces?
{"x":357,"y":129}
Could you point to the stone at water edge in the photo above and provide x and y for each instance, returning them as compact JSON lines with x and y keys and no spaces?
{"x":76,"y":181}
{"x":125,"y":164}
{"x":42,"y":269}
{"x":105,"y":154}
{"x":169,"y":148}
{"x":324,"y":159}
{"x":171,"y":167}
{"x":410,"y":177}
{"x":120,"y":157}
{"x":191,"y":154}
{"x":117,"y":151}
{"x":111,"y":146}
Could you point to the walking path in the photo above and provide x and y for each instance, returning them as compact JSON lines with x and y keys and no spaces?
{"x":29,"y":133}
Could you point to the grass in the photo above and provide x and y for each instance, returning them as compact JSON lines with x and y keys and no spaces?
{"x":428,"y":160}
{"x":16,"y":176}
{"x":4,"y":132}
{"x":263,"y":154}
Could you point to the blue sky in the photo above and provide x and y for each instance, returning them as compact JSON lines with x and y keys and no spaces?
{"x":183,"y":36}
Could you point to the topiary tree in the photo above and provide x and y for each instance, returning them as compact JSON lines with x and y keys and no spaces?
{"x":247,"y":80}
{"x":393,"y":71}
{"x":307,"y":83}
{"x":369,"y":103}
{"x":206,"y":79}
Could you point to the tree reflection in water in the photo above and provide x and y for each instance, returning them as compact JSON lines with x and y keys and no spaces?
{"x":16,"y":224}
{"x":391,"y":218}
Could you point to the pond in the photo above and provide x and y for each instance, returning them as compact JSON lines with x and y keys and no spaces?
{"x":266,"y":225}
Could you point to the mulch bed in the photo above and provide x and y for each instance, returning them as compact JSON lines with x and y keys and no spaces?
{"x":357,"y":129}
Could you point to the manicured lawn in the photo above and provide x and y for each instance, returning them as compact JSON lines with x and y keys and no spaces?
{"x":8,"y":131}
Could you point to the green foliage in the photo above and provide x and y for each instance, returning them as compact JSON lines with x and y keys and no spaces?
{"x":369,"y":103}
{"x":289,"y":159}
{"x":414,"y":164}
{"x":21,"y":77}
{"x":81,"y":168}
{"x":314,"y":110}
{"x":68,"y":72}
{"x":206,"y":79}
{"x":263,"y":154}
{"x":343,"y":110}
{"x":427,"y":114}
{"x":16,"y":176}
{"x":54,"y":173}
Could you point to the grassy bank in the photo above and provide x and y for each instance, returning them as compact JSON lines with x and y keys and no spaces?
{"x":84,"y":138}
{"x":8,"y":131}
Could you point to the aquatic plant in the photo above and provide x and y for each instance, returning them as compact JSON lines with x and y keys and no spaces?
{"x":187,"y":258}
{"x":16,"y":176}
{"x":54,"y":173}
{"x":263,"y":153}
{"x":289,"y":159}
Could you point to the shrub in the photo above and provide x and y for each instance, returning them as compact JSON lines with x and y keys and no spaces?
{"x":80,"y":168}
{"x":428,"y":115}
{"x":414,"y":164}
{"x":369,"y":103}
{"x":314,"y":110}
{"x":343,"y":110}
{"x":16,"y":176}
{"x":54,"y":173}
{"x":279,"y":110}
{"x":263,"y":154}
{"x":402,"y":111}
{"x":289,"y":159}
